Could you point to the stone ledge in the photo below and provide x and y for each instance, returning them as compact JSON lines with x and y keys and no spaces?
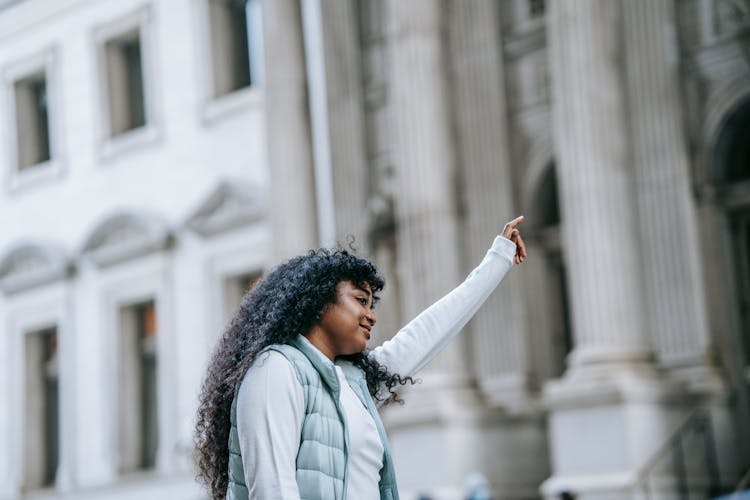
{"x":613,"y":385}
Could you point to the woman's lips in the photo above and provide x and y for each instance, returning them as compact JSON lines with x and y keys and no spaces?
{"x":367,"y":331}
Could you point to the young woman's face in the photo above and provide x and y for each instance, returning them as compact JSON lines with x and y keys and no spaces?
{"x":346,"y":323}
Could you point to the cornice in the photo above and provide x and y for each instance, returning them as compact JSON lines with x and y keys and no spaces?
{"x":230,"y":205}
{"x":32,"y":264}
{"x":124,"y":236}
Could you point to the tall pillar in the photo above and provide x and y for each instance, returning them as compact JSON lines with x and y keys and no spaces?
{"x":612,"y":388}
{"x":379,"y":222}
{"x":332,"y":45}
{"x":600,"y":234}
{"x":444,"y":432}
{"x":499,"y":345}
{"x":290,"y":160}
{"x":346,"y":118}
{"x":424,"y":158}
{"x":676,"y":303}
{"x":430,"y":460}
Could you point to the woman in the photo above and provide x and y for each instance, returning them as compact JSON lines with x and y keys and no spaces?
{"x":288,"y":409}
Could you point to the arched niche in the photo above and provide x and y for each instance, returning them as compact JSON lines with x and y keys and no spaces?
{"x":546,"y":202}
{"x":126,"y":235}
{"x":540,"y":158}
{"x":731,"y":156}
{"x":552,"y":326}
{"x":722,"y":105}
{"x":29,"y":264}
{"x":230,"y":205}
{"x":731,"y":168}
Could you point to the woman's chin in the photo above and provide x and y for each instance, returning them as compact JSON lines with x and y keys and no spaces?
{"x":359,"y":349}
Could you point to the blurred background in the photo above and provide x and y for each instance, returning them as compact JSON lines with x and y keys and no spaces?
{"x":157,"y":156}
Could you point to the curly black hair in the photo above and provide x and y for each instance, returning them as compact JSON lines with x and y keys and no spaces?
{"x":287,"y":302}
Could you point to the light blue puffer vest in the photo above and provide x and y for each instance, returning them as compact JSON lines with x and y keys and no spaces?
{"x":323,"y":451}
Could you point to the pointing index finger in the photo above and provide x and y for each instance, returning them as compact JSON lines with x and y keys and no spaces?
{"x":516,"y":221}
{"x":510,"y":226}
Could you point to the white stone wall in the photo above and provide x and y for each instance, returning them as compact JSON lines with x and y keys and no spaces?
{"x":193,"y":179}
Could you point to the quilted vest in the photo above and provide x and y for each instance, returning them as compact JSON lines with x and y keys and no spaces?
{"x":323,"y":452}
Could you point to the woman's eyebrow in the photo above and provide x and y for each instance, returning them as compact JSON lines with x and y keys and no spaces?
{"x":363,"y":290}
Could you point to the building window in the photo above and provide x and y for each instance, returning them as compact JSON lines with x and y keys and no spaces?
{"x":31,"y":87}
{"x":137,"y":382}
{"x":32,"y":121}
{"x":125,"y":86}
{"x":235,"y":289}
{"x":536,"y":8}
{"x":236,"y":44}
{"x":41,"y":440}
{"x":246,"y":282}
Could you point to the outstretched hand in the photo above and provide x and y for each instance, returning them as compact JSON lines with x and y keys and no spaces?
{"x":514,"y":235}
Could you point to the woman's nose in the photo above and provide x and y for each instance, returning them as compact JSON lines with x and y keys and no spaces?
{"x":371,"y":317}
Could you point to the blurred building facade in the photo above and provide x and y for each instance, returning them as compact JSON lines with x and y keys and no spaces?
{"x":133,"y":217}
{"x":157,"y":156}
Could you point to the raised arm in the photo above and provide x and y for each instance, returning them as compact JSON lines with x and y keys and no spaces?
{"x":425,"y":336}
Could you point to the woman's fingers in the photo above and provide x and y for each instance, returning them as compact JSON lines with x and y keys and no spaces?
{"x":510,"y":226}
{"x":510,"y":232}
{"x":520,"y":249}
{"x":515,"y":237}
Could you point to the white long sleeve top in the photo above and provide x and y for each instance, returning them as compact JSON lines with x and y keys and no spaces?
{"x":270,"y":409}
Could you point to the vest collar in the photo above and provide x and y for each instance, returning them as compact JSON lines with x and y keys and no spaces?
{"x":320,"y":362}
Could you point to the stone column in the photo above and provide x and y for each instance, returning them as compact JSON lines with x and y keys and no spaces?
{"x":612,"y":388}
{"x":676,"y":305}
{"x":345,"y":123}
{"x":290,"y":160}
{"x":424,"y":158}
{"x":499,"y":346}
{"x":676,"y":302}
{"x":600,"y":234}
{"x":443,"y":433}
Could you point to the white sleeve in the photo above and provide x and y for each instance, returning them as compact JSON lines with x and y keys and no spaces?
{"x":270,"y":410}
{"x":417,"y":343}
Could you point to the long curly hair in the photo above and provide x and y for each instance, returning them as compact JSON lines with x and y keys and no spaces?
{"x":287,"y":302}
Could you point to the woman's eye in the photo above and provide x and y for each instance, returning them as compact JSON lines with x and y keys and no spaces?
{"x":362,"y":300}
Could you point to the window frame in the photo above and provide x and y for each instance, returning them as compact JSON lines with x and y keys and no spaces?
{"x":123,"y":285}
{"x":111,"y":146}
{"x":228,"y":256}
{"x":214,"y":108}
{"x":48,"y":307}
{"x":45,"y":63}
{"x":39,"y":421}
{"x":132,"y":391}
